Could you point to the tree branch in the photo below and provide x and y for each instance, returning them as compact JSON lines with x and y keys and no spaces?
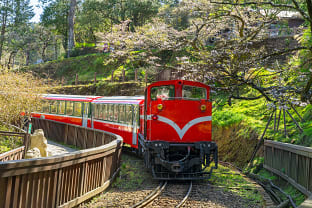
{"x":284,"y":52}
{"x":246,"y":98}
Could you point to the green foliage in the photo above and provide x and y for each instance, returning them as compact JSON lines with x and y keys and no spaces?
{"x":8,"y":143}
{"x":226,"y":118}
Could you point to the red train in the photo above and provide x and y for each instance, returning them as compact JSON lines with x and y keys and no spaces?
{"x":170,"y":126}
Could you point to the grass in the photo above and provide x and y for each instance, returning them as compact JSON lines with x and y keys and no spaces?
{"x":236,"y":183}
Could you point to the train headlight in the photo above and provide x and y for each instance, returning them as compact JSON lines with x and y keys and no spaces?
{"x":155,"y":117}
{"x":203,"y":107}
{"x":160,"y":106}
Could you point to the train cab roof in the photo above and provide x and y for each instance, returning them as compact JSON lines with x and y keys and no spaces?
{"x":120,"y":99}
{"x":79,"y":98}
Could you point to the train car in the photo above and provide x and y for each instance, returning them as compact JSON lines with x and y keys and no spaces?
{"x":119,"y":115}
{"x":72,"y":109}
{"x":170,"y":126}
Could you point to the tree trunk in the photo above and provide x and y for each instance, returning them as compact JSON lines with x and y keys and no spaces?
{"x":43,"y":52}
{"x":309,"y":5}
{"x":3,"y":28}
{"x":55,"y":48}
{"x":71,"y":23}
{"x":27,"y":57}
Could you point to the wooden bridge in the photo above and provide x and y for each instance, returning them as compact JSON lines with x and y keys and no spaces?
{"x":63,"y":180}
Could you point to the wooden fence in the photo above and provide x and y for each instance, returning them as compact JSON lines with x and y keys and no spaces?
{"x":18,"y":153}
{"x":63,"y":180}
{"x":291,"y":162}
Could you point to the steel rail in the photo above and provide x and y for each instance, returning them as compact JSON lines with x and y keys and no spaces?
{"x":186,"y":196}
{"x":151,"y":196}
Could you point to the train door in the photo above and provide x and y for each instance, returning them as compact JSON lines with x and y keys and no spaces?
{"x":135,"y":124}
{"x":85,"y":112}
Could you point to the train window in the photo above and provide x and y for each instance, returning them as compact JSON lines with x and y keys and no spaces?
{"x":53,"y":107}
{"x":86,"y":109}
{"x":122,"y":114}
{"x":95,"y":111}
{"x":162,"y":92}
{"x":69,"y":108}
{"x":116,"y":112}
{"x":129,"y":114}
{"x":46,"y":107}
{"x":194,"y":93}
{"x":62,"y":107}
{"x":103,"y":110}
{"x":110,"y":112}
{"x":138,"y":115}
{"x":77,"y":109}
{"x":39,"y":107}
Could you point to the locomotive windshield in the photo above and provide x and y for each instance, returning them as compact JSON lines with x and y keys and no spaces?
{"x":162,"y":92}
{"x":194,"y":93}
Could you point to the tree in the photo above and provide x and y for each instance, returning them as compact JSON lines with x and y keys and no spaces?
{"x":5,"y":9}
{"x":55,"y":15}
{"x":304,"y":7}
{"x":71,"y":24}
{"x":19,"y":93}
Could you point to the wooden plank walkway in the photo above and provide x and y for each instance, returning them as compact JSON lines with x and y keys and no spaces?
{"x":307,"y":203}
{"x":55,"y":148}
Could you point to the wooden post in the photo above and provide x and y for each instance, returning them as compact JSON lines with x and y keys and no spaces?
{"x":123,"y":75}
{"x":307,"y":173}
{"x":76,"y":80}
{"x":94,"y":77}
{"x":66,"y":133}
{"x":112,"y":79}
{"x":136,"y":75}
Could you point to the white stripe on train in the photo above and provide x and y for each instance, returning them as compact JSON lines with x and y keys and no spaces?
{"x":179,"y":131}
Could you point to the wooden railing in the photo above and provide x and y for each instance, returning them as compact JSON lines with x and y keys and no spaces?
{"x":63,"y":180}
{"x":291,"y":162}
{"x":15,"y":154}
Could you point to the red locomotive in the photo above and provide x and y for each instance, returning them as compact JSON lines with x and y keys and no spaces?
{"x":170,"y":126}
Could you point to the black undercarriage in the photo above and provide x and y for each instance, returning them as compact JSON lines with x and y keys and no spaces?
{"x":179,"y":161}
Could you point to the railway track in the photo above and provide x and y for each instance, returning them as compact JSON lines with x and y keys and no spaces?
{"x":167,"y":194}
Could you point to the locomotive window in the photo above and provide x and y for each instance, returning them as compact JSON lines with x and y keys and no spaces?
{"x":62,"y":107}
{"x":162,"y":92}
{"x":77,"y":109}
{"x":53,"y":107}
{"x":69,"y":108}
{"x":194,"y":93}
